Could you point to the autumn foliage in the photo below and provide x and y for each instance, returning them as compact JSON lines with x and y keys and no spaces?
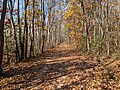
{"x":60,"y":44}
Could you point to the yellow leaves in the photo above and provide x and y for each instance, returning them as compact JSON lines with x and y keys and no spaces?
{"x":73,"y":10}
{"x":72,"y":33}
{"x":36,"y":10}
{"x":88,"y":7}
{"x":36,"y":14}
{"x":96,"y":4}
{"x":41,"y":12}
{"x":73,"y":17}
{"x":68,"y":14}
{"x":68,"y":25}
{"x":76,"y":43}
{"x":75,"y":38}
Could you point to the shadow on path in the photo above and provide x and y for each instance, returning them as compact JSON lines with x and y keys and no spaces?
{"x":51,"y":67}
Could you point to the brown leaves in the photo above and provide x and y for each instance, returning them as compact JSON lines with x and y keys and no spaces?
{"x":60,"y":68}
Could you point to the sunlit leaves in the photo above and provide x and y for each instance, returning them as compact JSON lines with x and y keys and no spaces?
{"x":72,"y":19}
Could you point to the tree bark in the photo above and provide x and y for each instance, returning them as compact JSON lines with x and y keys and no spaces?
{"x":2,"y":33}
{"x":15,"y":34}
{"x":26,"y":29}
{"x":19,"y":26}
{"x":33,"y":30}
{"x":43,"y":25}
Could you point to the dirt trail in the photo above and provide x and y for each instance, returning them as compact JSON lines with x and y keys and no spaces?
{"x":59,"y":68}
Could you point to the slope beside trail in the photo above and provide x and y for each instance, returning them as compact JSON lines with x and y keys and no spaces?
{"x":59,"y":68}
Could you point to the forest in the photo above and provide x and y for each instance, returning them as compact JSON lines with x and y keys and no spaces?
{"x":59,"y":44}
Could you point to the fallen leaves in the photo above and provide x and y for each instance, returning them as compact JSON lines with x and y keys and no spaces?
{"x":60,"y":68}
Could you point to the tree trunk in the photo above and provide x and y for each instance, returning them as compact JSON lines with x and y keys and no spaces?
{"x":15,"y":34}
{"x":2,"y":33}
{"x":33,"y":30}
{"x":26,"y":29}
{"x":43,"y":25}
{"x":19,"y":26}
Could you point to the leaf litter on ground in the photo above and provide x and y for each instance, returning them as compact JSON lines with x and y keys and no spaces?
{"x":59,"y":68}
